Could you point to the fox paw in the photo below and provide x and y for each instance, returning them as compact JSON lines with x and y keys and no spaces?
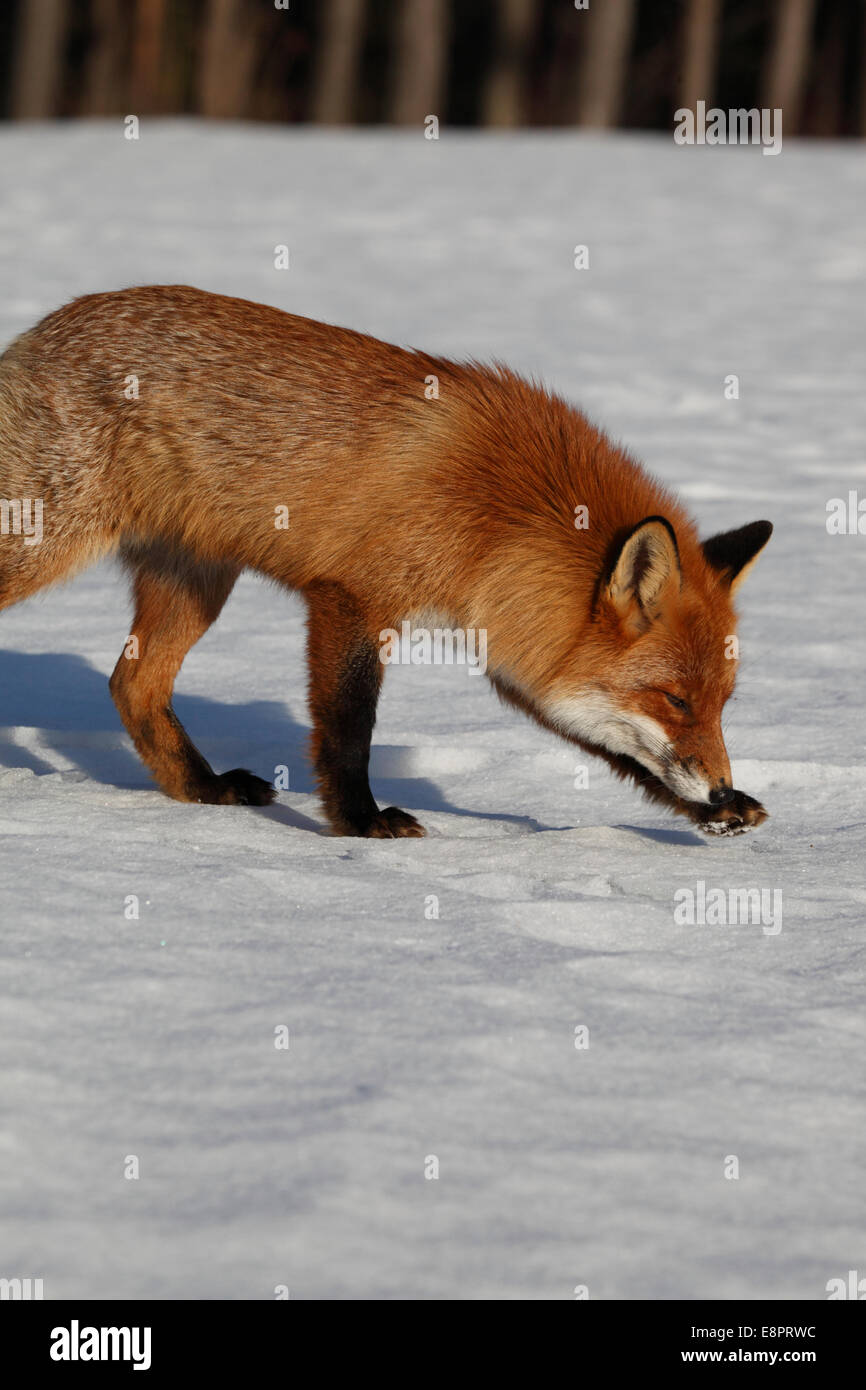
{"x":237,"y":788}
{"x":393,"y":824}
{"x":734,"y":818}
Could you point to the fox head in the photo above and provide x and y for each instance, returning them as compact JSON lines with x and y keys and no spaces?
{"x":657,"y":662}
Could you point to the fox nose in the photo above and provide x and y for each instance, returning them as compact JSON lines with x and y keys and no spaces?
{"x":720,"y":796}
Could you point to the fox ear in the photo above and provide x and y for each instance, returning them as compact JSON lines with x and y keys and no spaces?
{"x":645,"y":573}
{"x":733,"y":553}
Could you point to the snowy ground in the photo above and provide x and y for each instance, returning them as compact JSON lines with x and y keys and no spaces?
{"x":453,"y":1037}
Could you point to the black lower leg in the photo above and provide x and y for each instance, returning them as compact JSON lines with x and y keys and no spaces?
{"x":345,"y":680}
{"x":343,"y":752}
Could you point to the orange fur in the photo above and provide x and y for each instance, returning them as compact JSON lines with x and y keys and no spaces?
{"x":463,"y":505}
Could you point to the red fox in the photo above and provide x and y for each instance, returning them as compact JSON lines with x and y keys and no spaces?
{"x":198,"y":435}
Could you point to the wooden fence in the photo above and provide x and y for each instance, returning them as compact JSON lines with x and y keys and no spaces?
{"x":500,"y":63}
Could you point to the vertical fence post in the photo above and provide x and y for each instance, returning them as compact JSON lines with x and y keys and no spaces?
{"x":787,"y":59}
{"x":504,"y":98}
{"x":37,"y":70}
{"x":419,"y":62}
{"x":699,"y":53}
{"x":102,"y":86}
{"x":148,"y":24}
{"x":339,"y":47}
{"x":228,"y":59}
{"x":603,"y":64}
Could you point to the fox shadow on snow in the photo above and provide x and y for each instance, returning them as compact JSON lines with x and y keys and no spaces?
{"x":68,"y":700}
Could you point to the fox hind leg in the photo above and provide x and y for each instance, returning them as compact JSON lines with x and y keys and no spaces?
{"x":176,"y":599}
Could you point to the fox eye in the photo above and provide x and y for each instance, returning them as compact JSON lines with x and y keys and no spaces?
{"x":677,"y":703}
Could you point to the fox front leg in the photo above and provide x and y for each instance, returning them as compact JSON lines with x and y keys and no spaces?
{"x":345,"y":680}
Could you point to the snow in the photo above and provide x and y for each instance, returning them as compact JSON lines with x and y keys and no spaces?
{"x":413,"y":1036}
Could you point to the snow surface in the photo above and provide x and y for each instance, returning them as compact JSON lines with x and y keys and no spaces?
{"x":452,"y":1037}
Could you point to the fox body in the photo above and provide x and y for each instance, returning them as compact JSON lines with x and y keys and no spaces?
{"x":183,"y":430}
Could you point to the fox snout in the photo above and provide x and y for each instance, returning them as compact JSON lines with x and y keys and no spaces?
{"x":701,"y":772}
{"x":690,"y":778}
{"x":695,"y":785}
{"x":693,"y":765}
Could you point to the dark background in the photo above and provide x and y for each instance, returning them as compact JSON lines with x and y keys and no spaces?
{"x":624,"y":63}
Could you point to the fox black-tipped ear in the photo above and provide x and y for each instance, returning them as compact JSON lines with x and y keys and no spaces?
{"x":644,"y":573}
{"x":733,"y":553}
